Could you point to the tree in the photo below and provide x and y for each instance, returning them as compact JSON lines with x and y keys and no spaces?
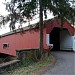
{"x":72,"y":12}
{"x":20,"y":10}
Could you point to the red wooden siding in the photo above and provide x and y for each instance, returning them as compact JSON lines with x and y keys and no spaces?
{"x":57,"y":23}
{"x":27,"y":40}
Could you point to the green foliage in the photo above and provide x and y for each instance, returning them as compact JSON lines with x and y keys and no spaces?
{"x":26,"y":63}
{"x":31,"y":67}
{"x":20,"y":10}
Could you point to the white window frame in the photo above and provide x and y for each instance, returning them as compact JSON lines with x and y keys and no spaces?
{"x":48,"y":40}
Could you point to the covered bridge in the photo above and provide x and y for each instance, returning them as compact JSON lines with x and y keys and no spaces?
{"x":28,"y":38}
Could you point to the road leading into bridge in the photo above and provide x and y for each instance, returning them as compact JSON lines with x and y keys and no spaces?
{"x":65,"y":64}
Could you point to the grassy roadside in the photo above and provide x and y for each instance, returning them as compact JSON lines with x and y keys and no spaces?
{"x":35,"y":68}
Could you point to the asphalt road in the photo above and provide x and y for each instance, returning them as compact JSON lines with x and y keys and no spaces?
{"x":65,"y":64}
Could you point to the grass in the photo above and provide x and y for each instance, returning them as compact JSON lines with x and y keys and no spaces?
{"x":33,"y":68}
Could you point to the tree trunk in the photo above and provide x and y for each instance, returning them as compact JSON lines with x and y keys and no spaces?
{"x":41,"y":29}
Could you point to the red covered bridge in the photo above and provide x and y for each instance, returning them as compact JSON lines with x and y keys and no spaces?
{"x":29,"y":38}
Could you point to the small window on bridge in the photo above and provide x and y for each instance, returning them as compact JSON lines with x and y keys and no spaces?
{"x":5,"y":45}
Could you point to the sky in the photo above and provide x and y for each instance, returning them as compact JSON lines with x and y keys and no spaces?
{"x":5,"y":29}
